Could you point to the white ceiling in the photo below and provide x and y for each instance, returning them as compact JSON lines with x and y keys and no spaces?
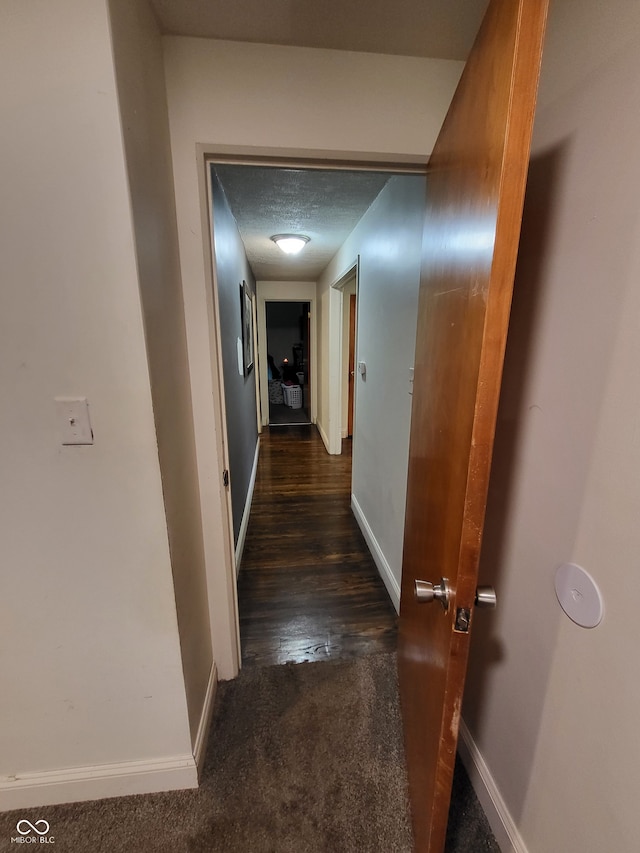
{"x":441,"y":29}
{"x":323,"y":205}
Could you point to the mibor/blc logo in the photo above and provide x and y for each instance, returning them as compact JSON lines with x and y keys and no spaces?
{"x":33,"y":833}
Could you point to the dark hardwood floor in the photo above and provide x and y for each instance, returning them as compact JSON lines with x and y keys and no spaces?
{"x":308,"y":588}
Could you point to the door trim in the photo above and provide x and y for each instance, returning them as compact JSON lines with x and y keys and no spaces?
{"x":290,"y":158}
{"x":336,"y":361}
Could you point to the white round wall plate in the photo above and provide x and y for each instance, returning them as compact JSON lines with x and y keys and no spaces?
{"x":579,"y":595}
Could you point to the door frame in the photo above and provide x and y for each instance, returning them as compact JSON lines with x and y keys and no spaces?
{"x":336,"y":360}
{"x":351,"y":329}
{"x":212,"y":454}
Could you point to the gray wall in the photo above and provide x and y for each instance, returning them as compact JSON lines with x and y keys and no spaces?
{"x":232,"y":268}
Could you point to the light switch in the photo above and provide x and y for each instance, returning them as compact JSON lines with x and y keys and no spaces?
{"x":362,"y":369}
{"x":72,"y":415}
{"x":411,"y":380}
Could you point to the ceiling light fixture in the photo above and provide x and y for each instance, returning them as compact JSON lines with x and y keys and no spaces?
{"x":290,"y":244}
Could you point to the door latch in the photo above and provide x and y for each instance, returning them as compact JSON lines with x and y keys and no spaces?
{"x":485,"y":597}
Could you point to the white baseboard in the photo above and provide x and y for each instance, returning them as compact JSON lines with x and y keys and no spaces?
{"x":392,"y":585}
{"x":202,"y":735}
{"x":502,"y":824}
{"x":323,"y":435}
{"x":97,"y":781}
{"x":242,"y":533}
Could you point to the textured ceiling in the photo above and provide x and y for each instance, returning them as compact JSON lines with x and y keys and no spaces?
{"x":324,"y":205}
{"x":441,"y":29}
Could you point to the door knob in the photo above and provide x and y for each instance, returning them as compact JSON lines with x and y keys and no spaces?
{"x":426,"y":592}
{"x":486,"y":596}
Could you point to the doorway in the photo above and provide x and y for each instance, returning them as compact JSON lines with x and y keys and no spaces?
{"x":288,"y":335}
{"x":345,"y":399}
{"x":374,"y":245}
{"x":387,"y":252}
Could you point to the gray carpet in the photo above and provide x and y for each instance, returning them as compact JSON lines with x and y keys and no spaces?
{"x":303,"y":759}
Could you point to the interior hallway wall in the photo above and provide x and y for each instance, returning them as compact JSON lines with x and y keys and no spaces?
{"x":90,"y":659}
{"x":229,"y":94}
{"x":388,"y":241}
{"x":553,"y":707}
{"x":145,"y":126}
{"x":232,"y":268}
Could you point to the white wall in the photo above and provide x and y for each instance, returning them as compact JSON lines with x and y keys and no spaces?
{"x":145,"y":125}
{"x":229,"y":95}
{"x":554,"y":708}
{"x":223,"y":93}
{"x":90,"y":658}
{"x":388,"y":242}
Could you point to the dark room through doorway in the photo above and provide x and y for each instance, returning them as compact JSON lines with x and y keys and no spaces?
{"x":288,"y":333}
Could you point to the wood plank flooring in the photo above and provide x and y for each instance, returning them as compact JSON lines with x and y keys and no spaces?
{"x":308,"y":587}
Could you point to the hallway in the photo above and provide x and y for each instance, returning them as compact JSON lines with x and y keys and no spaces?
{"x":308,"y":588}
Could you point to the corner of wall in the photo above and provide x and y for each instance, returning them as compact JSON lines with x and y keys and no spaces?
{"x":204,"y":727}
{"x":323,"y":435}
{"x":392,"y":585}
{"x":500,"y":820}
{"x":247,"y":510}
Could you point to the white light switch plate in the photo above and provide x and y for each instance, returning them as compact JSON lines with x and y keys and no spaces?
{"x":74,"y":426}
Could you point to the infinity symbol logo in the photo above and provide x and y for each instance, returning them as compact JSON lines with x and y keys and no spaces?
{"x":32,"y":827}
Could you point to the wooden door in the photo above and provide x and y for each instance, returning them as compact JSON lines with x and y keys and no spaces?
{"x":475,"y":192}
{"x":352,"y":363}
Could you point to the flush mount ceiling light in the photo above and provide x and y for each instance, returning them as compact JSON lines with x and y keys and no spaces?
{"x":290,"y":244}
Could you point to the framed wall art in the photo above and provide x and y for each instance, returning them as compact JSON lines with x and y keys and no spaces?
{"x":246,"y":305}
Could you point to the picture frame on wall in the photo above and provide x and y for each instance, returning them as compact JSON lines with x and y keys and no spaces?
{"x":246,"y":306}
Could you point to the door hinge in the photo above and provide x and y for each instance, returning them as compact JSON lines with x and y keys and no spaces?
{"x":225,"y":478}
